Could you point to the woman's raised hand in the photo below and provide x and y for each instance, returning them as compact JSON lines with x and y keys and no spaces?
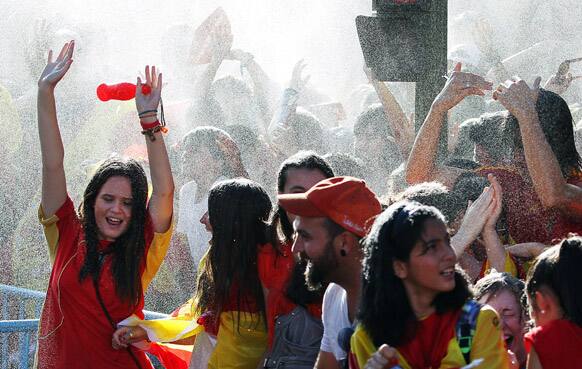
{"x":151,"y":100}
{"x":497,"y":203}
{"x":517,"y":97}
{"x":55,"y":70}
{"x":460,"y":85}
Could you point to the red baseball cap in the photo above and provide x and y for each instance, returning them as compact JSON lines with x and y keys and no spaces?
{"x":345,"y":200}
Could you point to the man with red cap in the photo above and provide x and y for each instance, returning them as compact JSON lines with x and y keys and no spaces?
{"x":332,"y":218}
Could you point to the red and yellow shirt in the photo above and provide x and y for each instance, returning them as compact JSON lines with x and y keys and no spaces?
{"x":428,"y":349}
{"x":74,"y":331}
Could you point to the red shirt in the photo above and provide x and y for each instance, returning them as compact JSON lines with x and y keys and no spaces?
{"x":527,"y":219}
{"x":275,"y":271}
{"x":74,"y":331}
{"x":558,"y":344}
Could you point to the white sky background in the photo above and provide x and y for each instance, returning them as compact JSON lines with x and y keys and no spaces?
{"x":122,"y":36}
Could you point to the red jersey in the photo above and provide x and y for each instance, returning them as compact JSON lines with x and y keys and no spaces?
{"x":275,"y":271}
{"x":527,"y":219}
{"x":558,"y":344}
{"x":74,"y":331}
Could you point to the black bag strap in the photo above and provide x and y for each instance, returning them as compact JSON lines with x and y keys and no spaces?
{"x":113,"y":325}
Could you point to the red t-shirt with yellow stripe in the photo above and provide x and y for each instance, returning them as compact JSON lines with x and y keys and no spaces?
{"x":74,"y":331}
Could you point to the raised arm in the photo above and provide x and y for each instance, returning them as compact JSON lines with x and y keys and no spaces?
{"x":54,"y":185}
{"x":422,"y":163}
{"x":287,"y":106}
{"x":162,"y":200}
{"x":399,"y":124}
{"x":543,"y":167}
{"x":493,"y":247}
{"x":221,"y":44}
{"x":262,"y":84}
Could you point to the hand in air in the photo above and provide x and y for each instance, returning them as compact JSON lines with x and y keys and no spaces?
{"x":240,"y":55}
{"x":562,"y":80}
{"x":55,"y":70}
{"x":221,"y":42}
{"x":298,"y":81}
{"x":151,"y":100}
{"x":517,"y":97}
{"x":476,"y":216}
{"x":497,"y":201}
{"x":460,"y":85}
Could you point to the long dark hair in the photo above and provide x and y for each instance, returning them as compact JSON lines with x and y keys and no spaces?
{"x":282,"y":229}
{"x":238,"y":211}
{"x":559,"y":269}
{"x":385,"y":311}
{"x":558,"y":127}
{"x":128,"y":250}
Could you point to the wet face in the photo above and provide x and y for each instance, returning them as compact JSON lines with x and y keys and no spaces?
{"x":509,"y":310}
{"x":314,"y":245}
{"x":430,"y":269}
{"x":299,"y":181}
{"x":113,"y":208}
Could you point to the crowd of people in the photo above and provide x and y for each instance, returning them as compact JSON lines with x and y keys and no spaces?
{"x":275,"y":236}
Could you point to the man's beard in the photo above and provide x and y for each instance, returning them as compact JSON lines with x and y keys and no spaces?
{"x":318,"y":271}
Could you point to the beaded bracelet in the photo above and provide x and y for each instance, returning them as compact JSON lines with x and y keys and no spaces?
{"x":151,"y":131}
{"x":151,"y":125}
{"x":141,"y":114}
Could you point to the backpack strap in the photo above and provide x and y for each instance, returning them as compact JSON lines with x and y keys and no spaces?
{"x":466,"y":326}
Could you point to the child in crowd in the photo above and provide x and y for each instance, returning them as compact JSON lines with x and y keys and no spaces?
{"x":555,"y":297}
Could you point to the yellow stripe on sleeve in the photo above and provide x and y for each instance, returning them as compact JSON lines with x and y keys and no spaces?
{"x":156,"y":254}
{"x":51,"y":232}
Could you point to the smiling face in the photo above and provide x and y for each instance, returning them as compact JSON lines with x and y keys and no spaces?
{"x":113,"y":207}
{"x":315,"y":246}
{"x":510,"y":312}
{"x":430,"y":269}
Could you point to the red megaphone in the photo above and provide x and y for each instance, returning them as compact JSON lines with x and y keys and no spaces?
{"x":120,"y":91}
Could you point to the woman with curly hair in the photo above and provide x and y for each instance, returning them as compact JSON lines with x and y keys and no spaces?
{"x":416,"y":309}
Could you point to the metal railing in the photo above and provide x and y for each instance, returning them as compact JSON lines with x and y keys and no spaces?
{"x":20,"y":309}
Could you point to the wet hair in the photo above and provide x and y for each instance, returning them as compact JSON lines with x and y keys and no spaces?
{"x":245,"y":137}
{"x":233,"y":86}
{"x":374,"y":119}
{"x":128,"y":250}
{"x":281,"y":226}
{"x":210,"y":137}
{"x":468,"y":187}
{"x":385,"y":311}
{"x":345,"y":164}
{"x":431,"y":194}
{"x":558,"y":269}
{"x":558,"y":127}
{"x":238,"y":211}
{"x":462,"y":163}
{"x":306,"y":131}
{"x":465,"y":147}
{"x":494,"y":283}
{"x":487,"y":132}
